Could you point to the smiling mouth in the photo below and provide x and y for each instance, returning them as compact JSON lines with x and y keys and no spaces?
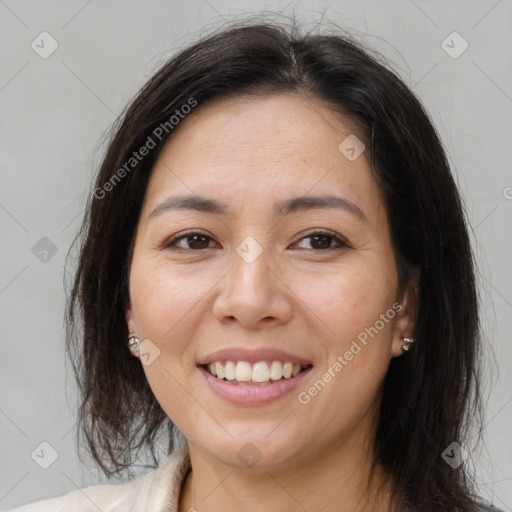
{"x":261,"y":373}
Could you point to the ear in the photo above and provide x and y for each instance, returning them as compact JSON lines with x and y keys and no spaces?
{"x":406,"y":318}
{"x":130,"y":321}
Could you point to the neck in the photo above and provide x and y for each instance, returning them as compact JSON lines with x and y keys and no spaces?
{"x":340,"y":479}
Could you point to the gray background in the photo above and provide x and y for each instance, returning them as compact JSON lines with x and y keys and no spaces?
{"x":53,"y":115}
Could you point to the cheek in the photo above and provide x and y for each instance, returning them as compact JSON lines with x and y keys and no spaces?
{"x":166,"y":305}
{"x":355,"y":356}
{"x":164,"y":299}
{"x":349,"y":300}
{"x":356,"y":342}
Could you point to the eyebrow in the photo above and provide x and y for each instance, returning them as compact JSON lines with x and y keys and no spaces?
{"x":295,"y":204}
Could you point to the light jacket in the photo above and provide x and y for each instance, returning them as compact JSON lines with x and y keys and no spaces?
{"x":156,"y":491}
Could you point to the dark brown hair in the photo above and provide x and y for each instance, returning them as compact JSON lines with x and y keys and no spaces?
{"x":431,"y":395}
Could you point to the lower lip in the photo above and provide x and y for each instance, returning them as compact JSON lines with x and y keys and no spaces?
{"x":245,"y":394}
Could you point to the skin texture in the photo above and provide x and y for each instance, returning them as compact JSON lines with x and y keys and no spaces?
{"x":250,"y":152}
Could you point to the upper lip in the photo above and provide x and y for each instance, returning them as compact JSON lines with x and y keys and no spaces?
{"x":252,"y":356}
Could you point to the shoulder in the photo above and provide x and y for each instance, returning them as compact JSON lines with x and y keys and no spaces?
{"x":487,"y":506}
{"x":148,"y":492}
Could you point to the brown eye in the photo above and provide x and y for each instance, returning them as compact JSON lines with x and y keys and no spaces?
{"x":198,"y":241}
{"x":322,"y":241}
{"x":194,"y":240}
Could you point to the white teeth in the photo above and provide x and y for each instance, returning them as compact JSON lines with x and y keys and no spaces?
{"x":276,"y":370}
{"x":259,"y":372}
{"x":243,"y":371}
{"x":230,"y":370}
{"x":219,"y":370}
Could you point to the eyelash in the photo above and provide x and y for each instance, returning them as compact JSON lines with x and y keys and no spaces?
{"x":170,"y":244}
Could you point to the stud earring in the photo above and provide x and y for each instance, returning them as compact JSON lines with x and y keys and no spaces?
{"x":407,"y":343}
{"x":133,"y":344}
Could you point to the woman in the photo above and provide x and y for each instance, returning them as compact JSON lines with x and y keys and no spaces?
{"x":275,"y":263}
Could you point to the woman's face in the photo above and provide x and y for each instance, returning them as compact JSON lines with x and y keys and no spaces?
{"x":253,"y":283}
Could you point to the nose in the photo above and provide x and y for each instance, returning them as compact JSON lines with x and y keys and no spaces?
{"x":252,"y":292}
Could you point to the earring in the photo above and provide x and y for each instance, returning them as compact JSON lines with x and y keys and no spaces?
{"x":133,"y":344}
{"x":407,"y":343}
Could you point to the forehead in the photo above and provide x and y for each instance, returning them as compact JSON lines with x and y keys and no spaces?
{"x":273,"y":146}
